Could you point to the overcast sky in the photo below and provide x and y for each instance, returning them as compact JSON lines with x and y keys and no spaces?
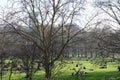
{"x":90,"y":11}
{"x":3,"y":3}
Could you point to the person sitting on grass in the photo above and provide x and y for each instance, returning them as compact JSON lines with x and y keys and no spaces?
{"x":84,"y":67}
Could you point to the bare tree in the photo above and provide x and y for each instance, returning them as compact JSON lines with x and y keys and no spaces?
{"x":112,"y":9}
{"x":42,"y":22}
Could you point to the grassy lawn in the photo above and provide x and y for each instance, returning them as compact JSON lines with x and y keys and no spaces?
{"x":111,"y":73}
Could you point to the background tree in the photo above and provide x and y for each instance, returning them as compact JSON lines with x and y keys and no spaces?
{"x":112,"y":9}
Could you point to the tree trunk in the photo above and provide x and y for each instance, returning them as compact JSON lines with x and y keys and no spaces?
{"x":48,"y":72}
{"x":91,"y":54}
{"x":96,"y":55}
{"x":48,"y":68}
{"x":81,"y":55}
{"x":11,"y":71}
{"x":30,"y":77}
{"x":68,"y":55}
{"x":78,"y":55}
{"x":113,"y":56}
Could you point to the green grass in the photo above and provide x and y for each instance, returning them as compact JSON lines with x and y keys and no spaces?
{"x":97,"y":74}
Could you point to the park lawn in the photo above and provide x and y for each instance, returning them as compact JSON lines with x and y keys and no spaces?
{"x":66,"y":73}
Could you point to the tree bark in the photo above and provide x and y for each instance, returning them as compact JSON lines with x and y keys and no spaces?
{"x":11,"y":71}
{"x":48,"y":72}
{"x":113,"y":56}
